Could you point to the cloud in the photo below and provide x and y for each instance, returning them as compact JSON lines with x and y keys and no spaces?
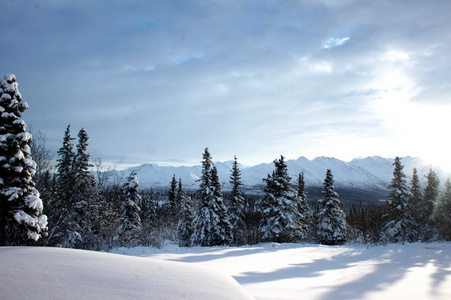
{"x":335,"y":42}
{"x":152,"y":80}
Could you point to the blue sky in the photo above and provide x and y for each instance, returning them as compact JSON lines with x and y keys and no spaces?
{"x":158,"y":81}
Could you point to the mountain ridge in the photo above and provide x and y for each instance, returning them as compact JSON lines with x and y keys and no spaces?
{"x":373,"y":172}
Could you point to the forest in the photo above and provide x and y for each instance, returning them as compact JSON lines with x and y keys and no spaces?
{"x":71,"y":202}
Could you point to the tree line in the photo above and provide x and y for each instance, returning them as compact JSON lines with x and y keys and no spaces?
{"x":94,"y":212}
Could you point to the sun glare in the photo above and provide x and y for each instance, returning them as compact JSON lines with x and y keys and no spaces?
{"x":416,"y":129}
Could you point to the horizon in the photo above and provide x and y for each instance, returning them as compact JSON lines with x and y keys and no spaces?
{"x":243,"y":166}
{"x":158,"y":81}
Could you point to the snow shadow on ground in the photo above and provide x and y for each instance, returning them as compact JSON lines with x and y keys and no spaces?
{"x":389,"y":266}
{"x":372,"y":269}
{"x":219,"y":253}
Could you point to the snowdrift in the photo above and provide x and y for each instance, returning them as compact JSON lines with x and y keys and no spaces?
{"x":316,"y":272}
{"x":55,"y":273}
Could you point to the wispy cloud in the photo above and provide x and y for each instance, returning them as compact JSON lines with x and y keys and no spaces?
{"x":157,"y":79}
{"x":335,"y":42}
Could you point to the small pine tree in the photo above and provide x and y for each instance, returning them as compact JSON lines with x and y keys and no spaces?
{"x":212,"y":224}
{"x":431,"y":193}
{"x":179,"y":197}
{"x":186,"y":225}
{"x":131,"y":207}
{"x":65,"y":168}
{"x":280,"y":216}
{"x":64,"y":231}
{"x":431,"y":198}
{"x":149,"y":218}
{"x":85,"y":197}
{"x":173,"y":205}
{"x":224,"y":230}
{"x":236,"y":205}
{"x":331,"y":218}
{"x":442,"y":213}
{"x":303,"y":207}
{"x":399,"y":226}
{"x":21,"y":209}
{"x":416,"y":200}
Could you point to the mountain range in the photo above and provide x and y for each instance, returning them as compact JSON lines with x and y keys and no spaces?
{"x":356,"y":178}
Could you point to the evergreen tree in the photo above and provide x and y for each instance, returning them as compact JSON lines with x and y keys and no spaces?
{"x":236,"y":205}
{"x":84,"y":180}
{"x":21,"y":209}
{"x":431,"y":193}
{"x":416,"y":199}
{"x":186,"y":225}
{"x":131,"y":207}
{"x":180,"y":197}
{"x":303,"y":207}
{"x":149,"y":218}
{"x":280,"y":217}
{"x":173,"y":205}
{"x":65,"y":169}
{"x":416,"y":196}
{"x":399,"y":226}
{"x":64,"y":231}
{"x":442,"y":213}
{"x":85,"y":198}
{"x":331,"y":219}
{"x":224,"y":226}
{"x":431,"y":197}
{"x":212,"y":224}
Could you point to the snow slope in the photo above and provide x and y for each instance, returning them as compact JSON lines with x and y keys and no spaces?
{"x":361,"y":173}
{"x":296,"y":271}
{"x":56,"y":273}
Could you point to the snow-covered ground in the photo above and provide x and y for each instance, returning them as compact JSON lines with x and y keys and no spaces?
{"x":56,"y":273}
{"x":267,"y":271}
{"x":296,"y":271}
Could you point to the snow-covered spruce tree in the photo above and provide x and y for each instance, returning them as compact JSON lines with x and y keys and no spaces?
{"x":62,"y":227}
{"x":225,"y":236}
{"x":280,"y":217}
{"x":416,"y":200}
{"x":212,"y":227}
{"x":84,"y":181}
{"x":149,"y":218}
{"x":399,"y":226}
{"x":442,"y":213}
{"x":180,"y":196}
{"x":331,"y":218}
{"x":303,"y":207}
{"x":431,"y":193}
{"x":21,"y":209}
{"x":131,"y":208}
{"x":86,"y":198}
{"x":236,"y":205}
{"x":173,"y":206}
{"x":431,"y":197}
{"x":186,"y":218}
{"x":65,"y":169}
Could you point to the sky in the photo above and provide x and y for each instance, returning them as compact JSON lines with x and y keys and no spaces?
{"x":159,"y":81}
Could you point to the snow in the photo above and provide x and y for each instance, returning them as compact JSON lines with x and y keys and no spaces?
{"x":266,"y":271}
{"x":39,"y":223}
{"x":57,"y":273}
{"x":297,"y":271}
{"x":34,"y":202}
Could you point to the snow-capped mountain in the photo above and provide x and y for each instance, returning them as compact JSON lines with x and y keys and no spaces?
{"x":361,"y":173}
